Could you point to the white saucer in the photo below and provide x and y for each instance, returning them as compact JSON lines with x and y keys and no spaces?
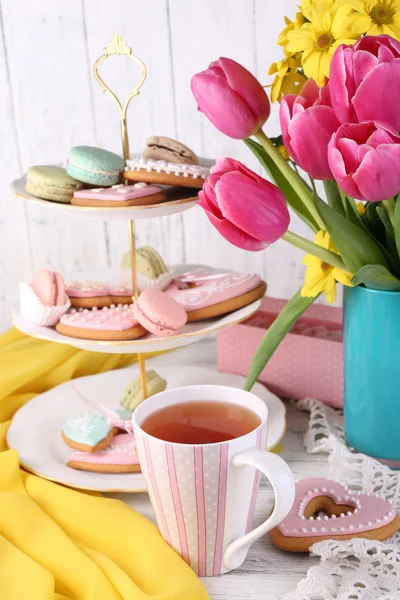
{"x":35,"y":429}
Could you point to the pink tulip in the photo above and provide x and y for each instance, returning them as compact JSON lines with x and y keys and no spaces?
{"x":365,"y":81}
{"x":307,"y":123}
{"x":365,"y":160}
{"x":232,"y":98}
{"x":248,"y":211}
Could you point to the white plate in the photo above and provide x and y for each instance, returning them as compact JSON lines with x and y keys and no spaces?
{"x":190,"y":333}
{"x":35,"y":428}
{"x":125,"y":212}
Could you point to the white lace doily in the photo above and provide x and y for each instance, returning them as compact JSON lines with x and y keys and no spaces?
{"x":355,"y":569}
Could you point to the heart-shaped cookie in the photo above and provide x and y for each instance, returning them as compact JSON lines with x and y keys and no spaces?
{"x":325,"y":509}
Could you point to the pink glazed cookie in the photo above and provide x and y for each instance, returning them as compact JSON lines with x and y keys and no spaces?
{"x":119,"y":195}
{"x":89,"y":294}
{"x":206,"y":294}
{"x":324,"y":509}
{"x":119,"y":457}
{"x":159,"y":313}
{"x":110,"y":324}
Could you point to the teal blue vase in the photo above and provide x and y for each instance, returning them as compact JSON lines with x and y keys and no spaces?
{"x":372,"y":373}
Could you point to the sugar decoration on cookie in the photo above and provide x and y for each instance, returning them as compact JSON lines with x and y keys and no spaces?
{"x":170,"y":168}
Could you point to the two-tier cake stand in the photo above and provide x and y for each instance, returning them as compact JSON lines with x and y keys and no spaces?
{"x":190,"y":333}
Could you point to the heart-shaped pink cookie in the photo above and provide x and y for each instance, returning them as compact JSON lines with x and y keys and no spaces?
{"x":325,"y":509}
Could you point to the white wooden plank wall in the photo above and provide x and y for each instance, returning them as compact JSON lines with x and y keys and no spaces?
{"x":50,"y":101}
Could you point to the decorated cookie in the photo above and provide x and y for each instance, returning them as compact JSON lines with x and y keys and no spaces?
{"x":97,"y":294}
{"x":159,"y":313}
{"x":206,"y":294}
{"x":138,"y":194}
{"x":94,"y":166}
{"x":94,"y":431}
{"x":44,"y":301}
{"x":163,"y":148}
{"x":163,"y":172}
{"x":132,"y":396}
{"x":110,"y":324}
{"x":151,"y":270}
{"x":90,"y":432}
{"x":119,"y":457}
{"x":324,"y":509}
{"x":51,"y":183}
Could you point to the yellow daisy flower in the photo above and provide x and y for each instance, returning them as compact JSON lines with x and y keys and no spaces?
{"x":321,"y":276}
{"x":374,"y":17}
{"x":290,"y":26}
{"x":305,"y":8}
{"x":319,"y":38}
{"x":288,"y":80}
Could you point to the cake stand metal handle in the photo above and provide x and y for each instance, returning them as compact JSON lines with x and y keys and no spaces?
{"x":117,"y":46}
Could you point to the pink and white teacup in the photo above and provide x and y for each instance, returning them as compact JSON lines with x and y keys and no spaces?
{"x":204,"y":494}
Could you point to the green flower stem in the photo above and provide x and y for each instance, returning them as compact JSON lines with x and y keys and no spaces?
{"x":292,"y":177}
{"x":389,"y":205}
{"x":326,"y":255}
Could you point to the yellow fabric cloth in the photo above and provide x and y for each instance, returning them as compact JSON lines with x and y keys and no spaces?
{"x":57,"y":543}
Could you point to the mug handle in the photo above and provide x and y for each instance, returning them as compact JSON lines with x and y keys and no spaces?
{"x":279,"y":474}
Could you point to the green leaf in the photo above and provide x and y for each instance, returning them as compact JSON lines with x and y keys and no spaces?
{"x":355,"y":245}
{"x":396,"y":224}
{"x":280,"y":180}
{"x":333,"y":196}
{"x":389,"y":231}
{"x":275,"y":334}
{"x":376,"y":277}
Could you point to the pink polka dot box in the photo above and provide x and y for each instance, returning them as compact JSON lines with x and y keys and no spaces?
{"x":307,"y":364}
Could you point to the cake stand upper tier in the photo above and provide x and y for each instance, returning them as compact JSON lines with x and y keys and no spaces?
{"x":181,"y":199}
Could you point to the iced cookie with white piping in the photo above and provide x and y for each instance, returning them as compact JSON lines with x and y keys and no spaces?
{"x":96,"y":294}
{"x":116,"y":323}
{"x":119,"y":456}
{"x":324,"y":509}
{"x":163,"y":172}
{"x":90,"y":432}
{"x":119,"y":195}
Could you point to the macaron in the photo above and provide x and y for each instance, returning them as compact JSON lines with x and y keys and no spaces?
{"x":148,"y":262}
{"x":49,"y":287}
{"x":133,"y":394}
{"x":94,"y":165}
{"x":159,"y":313}
{"x":51,"y":183}
{"x":164,"y":148}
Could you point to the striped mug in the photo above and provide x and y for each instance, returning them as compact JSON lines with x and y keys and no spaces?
{"x":204,"y":495}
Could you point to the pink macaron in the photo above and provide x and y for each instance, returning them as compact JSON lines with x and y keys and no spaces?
{"x":49,"y":287}
{"x":159,"y":313}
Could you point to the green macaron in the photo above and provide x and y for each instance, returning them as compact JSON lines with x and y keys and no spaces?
{"x":148,"y":262}
{"x":51,"y":183}
{"x":133,"y":394}
{"x":95,"y":166}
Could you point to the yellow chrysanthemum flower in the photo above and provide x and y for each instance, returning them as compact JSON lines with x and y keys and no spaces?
{"x":361,"y":208}
{"x":374,"y":17}
{"x":321,"y":276}
{"x":319,"y":38}
{"x":290,"y":26}
{"x":288,"y":80}
{"x":283,"y":152}
{"x":305,"y":8}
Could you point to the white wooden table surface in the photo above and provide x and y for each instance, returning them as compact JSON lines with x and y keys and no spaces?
{"x":267,"y":573}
